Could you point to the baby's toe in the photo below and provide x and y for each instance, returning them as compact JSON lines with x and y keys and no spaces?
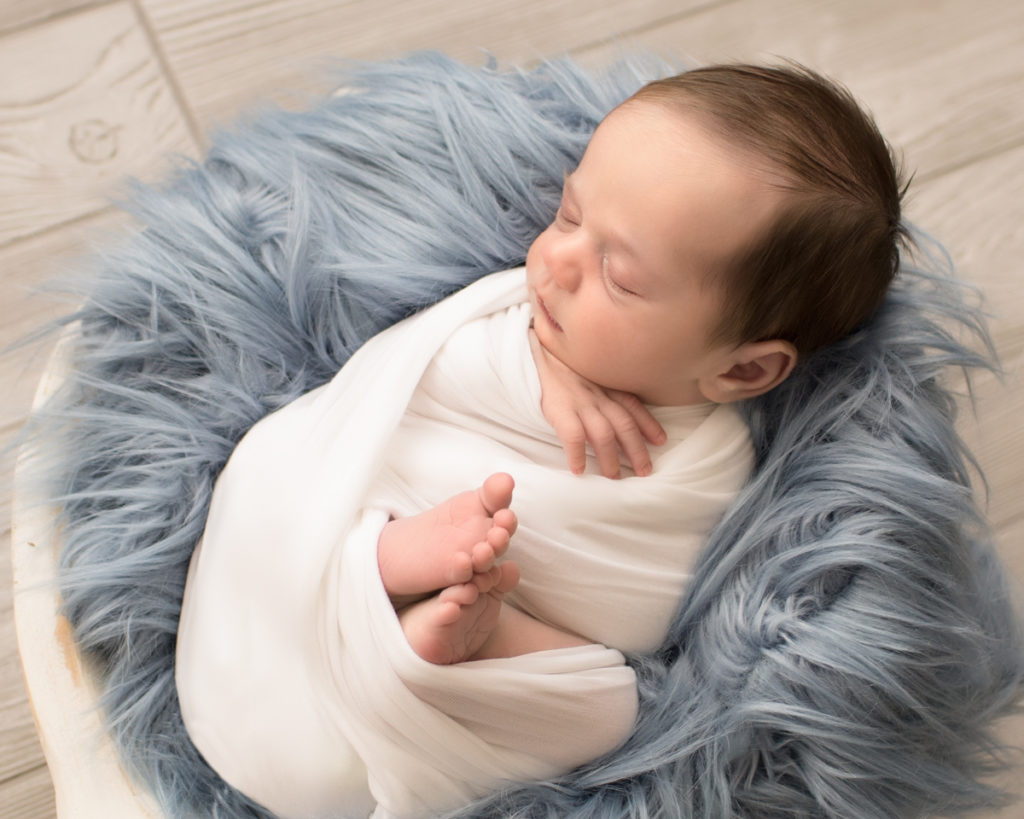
{"x":483,"y":557}
{"x":461,"y":594}
{"x":508,"y":579}
{"x":486,"y":581}
{"x":506,"y":519}
{"x":444,"y":613}
{"x":496,"y":492}
{"x":462,"y":568}
{"x":498,"y":539}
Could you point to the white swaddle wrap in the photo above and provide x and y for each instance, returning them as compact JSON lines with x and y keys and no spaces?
{"x":295,"y":680}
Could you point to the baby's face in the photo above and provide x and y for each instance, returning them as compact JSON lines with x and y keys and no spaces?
{"x":619,"y":282}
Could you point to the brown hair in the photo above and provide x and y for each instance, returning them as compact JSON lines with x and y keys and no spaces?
{"x":825,"y":263}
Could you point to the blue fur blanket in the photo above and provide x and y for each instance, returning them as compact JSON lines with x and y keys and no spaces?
{"x":848,"y":639}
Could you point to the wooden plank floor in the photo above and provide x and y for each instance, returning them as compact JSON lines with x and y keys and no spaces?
{"x":93,"y":91}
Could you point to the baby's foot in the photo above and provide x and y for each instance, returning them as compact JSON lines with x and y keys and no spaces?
{"x":449,"y":544}
{"x":451,"y":626}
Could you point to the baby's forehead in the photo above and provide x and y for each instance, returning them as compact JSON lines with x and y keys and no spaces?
{"x":640,"y":112}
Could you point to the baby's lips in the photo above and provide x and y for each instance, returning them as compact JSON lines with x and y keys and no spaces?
{"x":547,"y":314}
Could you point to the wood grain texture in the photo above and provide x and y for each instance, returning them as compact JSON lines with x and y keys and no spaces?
{"x":977,"y":214}
{"x":23,"y":13}
{"x":28,"y":268}
{"x":227,"y":54}
{"x":22,"y":753}
{"x":82,"y":104}
{"x":943,"y":77}
{"x":28,"y":796}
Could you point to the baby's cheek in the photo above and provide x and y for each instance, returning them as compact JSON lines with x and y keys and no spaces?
{"x":533,"y":251}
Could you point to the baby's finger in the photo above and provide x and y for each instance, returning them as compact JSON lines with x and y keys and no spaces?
{"x":630,"y":439}
{"x":603,"y":440}
{"x":648,"y":425}
{"x":635,"y":450}
{"x":574,"y":444}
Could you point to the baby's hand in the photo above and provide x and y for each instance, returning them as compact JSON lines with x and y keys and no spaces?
{"x":581,"y":411}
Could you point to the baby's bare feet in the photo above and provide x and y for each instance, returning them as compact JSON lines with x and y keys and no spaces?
{"x":451,"y":626}
{"x":448,"y":545}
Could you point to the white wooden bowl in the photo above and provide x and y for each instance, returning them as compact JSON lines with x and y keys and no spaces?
{"x":88,"y":779}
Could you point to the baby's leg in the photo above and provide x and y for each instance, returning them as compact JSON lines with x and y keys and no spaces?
{"x":449,"y":544}
{"x":517,"y":633}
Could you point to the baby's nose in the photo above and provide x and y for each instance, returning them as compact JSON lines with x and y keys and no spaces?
{"x":565,"y":263}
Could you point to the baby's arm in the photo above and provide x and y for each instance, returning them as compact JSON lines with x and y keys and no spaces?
{"x":581,"y":411}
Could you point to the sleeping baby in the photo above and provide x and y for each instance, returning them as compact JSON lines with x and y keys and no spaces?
{"x":403,"y":600}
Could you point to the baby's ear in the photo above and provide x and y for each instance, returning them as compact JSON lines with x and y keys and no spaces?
{"x":752,"y":369}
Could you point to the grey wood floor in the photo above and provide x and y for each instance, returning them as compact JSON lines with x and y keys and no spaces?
{"x":91,"y":91}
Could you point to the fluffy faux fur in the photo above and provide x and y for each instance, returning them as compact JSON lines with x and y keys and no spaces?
{"x":848,"y":638}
